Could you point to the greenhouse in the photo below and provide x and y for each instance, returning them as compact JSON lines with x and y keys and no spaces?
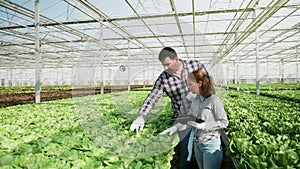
{"x":75,"y":74}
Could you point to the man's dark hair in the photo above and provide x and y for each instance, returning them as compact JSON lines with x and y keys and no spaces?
{"x":167,"y":52}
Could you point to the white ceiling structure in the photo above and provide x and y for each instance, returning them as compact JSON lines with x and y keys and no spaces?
{"x":213,"y":31}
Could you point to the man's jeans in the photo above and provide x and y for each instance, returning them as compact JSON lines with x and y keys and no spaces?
{"x":182,"y":162}
{"x":209,"y":154}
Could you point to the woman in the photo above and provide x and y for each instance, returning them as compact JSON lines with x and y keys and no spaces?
{"x":210,"y":110}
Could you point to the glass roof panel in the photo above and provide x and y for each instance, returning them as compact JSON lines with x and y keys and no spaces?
{"x":220,"y":29}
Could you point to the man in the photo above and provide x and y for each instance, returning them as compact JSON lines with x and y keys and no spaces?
{"x":173,"y":82}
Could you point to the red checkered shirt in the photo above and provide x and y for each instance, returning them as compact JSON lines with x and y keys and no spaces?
{"x":175,"y":87}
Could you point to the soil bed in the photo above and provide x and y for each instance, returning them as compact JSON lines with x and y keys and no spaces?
{"x":13,"y":99}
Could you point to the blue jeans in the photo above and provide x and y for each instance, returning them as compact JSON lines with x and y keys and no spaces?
{"x":209,"y":154}
{"x":182,"y":163}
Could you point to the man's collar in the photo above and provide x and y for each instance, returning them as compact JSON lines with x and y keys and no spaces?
{"x":183,"y":63}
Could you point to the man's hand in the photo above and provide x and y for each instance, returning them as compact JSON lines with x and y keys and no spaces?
{"x":200,"y":126}
{"x":138,"y":124}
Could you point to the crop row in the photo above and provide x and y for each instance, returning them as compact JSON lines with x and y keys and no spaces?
{"x":86,"y":132}
{"x":264,"y":132}
{"x":93,"y":132}
{"x":30,"y":89}
{"x":289,"y":92}
{"x":266,"y":87}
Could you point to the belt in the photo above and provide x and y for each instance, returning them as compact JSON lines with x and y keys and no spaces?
{"x":204,"y":139}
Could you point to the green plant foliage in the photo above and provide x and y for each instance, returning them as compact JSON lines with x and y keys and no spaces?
{"x":56,"y":135}
{"x":264,"y":132}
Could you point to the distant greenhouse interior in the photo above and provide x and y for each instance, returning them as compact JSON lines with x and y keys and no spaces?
{"x":119,"y":41}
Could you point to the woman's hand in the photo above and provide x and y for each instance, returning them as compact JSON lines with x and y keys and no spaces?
{"x":200,"y":126}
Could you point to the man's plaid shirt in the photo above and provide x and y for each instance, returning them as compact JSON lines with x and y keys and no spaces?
{"x":175,"y":87}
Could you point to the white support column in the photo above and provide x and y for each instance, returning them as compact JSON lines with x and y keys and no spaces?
{"x":73,"y":72}
{"x":37,"y":54}
{"x":144,"y":83}
{"x":282,"y":70}
{"x":227,"y":74}
{"x":57,"y":75}
{"x":237,"y":66}
{"x":101,"y":57}
{"x":21,"y":78}
{"x":102,"y":79}
{"x":128,"y":69}
{"x":153,"y":78}
{"x":234,"y":72}
{"x":10,"y":83}
{"x":62,"y":75}
{"x":268,"y":76}
{"x":109,"y":70}
{"x":297,"y":65}
{"x":238,"y":73}
{"x":256,"y":11}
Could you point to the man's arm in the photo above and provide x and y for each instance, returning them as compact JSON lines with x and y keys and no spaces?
{"x":156,"y":93}
{"x":152,"y":98}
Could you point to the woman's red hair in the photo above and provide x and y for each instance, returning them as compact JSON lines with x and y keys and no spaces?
{"x":207,"y":88}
